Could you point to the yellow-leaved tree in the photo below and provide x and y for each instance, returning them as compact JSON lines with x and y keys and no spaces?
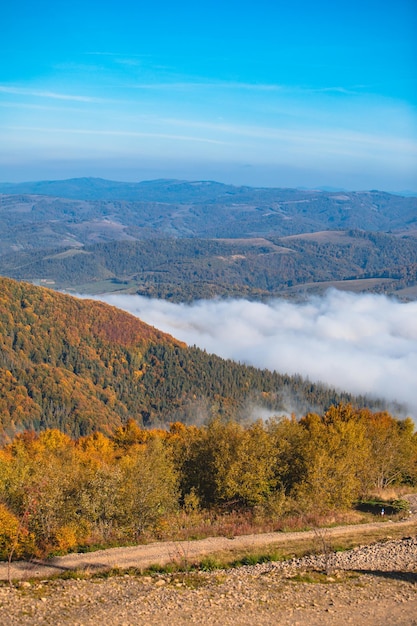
{"x":336,"y":456}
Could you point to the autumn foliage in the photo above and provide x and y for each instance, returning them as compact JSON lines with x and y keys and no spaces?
{"x":59,"y":494}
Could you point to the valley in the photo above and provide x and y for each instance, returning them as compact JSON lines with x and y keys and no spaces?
{"x":185,"y":241}
{"x":81,"y":366}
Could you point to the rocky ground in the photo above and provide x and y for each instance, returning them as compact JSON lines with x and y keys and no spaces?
{"x":370,"y":585}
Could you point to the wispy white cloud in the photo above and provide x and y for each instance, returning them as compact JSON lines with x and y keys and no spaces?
{"x":30,"y":106}
{"x":118,"y":54}
{"x":23,"y":91}
{"x":365,"y":344}
{"x":334,"y":141}
{"x":266,"y":124}
{"x":113,"y":133}
{"x":191,"y":83}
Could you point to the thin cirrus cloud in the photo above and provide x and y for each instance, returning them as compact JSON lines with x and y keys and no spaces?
{"x":21,"y":91}
{"x":335,"y":137}
{"x":116,"y":133}
{"x":209,"y":85}
{"x":327,"y":143}
{"x":304,"y":131}
{"x":274,"y":125}
{"x":299,"y":90}
{"x":364,"y":344}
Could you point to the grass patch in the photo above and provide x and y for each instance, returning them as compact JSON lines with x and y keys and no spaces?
{"x":209,"y":564}
{"x":312,"y":577}
{"x":169,"y":568}
{"x":194,"y":580}
{"x":255,"y":558}
{"x":76,"y":574}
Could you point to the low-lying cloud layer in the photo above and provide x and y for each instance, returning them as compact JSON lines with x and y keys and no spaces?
{"x":365,"y":344}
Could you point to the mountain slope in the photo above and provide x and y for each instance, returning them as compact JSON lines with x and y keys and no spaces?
{"x":82,"y":366}
{"x":64,"y":360}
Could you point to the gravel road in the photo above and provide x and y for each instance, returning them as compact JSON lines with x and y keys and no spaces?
{"x":371,"y":585}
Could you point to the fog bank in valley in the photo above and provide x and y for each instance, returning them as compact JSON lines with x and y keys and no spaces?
{"x":365,"y":344}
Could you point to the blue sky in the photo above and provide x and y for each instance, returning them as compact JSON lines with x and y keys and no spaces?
{"x":261,"y":93}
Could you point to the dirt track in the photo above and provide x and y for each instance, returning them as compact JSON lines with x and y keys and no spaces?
{"x":160,"y":553}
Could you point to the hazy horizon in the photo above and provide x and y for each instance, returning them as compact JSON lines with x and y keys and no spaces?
{"x":324,"y":188}
{"x":328,"y":188}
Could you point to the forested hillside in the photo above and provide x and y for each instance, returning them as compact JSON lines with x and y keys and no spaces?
{"x":188,"y":269}
{"x":82,"y":366}
{"x":181,"y":209}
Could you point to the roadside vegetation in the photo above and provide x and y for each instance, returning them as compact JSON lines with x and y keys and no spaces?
{"x":134,"y":485}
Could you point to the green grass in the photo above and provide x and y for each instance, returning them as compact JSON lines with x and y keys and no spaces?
{"x":254,"y":558}
{"x":209,"y":564}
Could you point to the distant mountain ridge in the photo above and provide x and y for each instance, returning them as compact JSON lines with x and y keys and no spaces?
{"x":188,"y":209}
{"x":163,"y":189}
{"x":103,"y":189}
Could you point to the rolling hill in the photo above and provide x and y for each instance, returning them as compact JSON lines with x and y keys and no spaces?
{"x":185,"y":240}
{"x":184,"y":209}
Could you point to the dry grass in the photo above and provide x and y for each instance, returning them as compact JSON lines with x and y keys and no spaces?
{"x":390,"y":493}
{"x":323,"y":540}
{"x":301,"y":546}
{"x":202,"y":524}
